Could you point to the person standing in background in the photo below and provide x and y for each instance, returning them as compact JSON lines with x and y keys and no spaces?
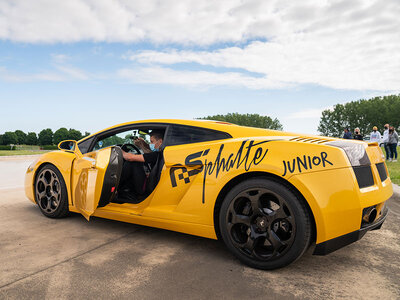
{"x":375,"y":135}
{"x":386,"y":141}
{"x":347,"y":134}
{"x":393,"y":140}
{"x":357,"y":134}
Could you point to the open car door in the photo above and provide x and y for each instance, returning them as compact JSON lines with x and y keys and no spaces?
{"x":95,"y":179}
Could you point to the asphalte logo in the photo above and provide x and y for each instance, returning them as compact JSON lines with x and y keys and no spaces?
{"x":184,"y":173}
{"x":220,"y":164}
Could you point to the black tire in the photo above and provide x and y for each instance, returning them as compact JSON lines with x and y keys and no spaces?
{"x":264,"y":224}
{"x":51,"y":192}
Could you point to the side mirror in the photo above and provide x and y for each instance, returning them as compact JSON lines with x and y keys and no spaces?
{"x":70,"y":146}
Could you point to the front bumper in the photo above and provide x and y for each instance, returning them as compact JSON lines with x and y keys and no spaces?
{"x":341,"y":241}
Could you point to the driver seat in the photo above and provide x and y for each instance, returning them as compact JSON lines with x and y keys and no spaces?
{"x":126,"y":195}
{"x":155,"y":174}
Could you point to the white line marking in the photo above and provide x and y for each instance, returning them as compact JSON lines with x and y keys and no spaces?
{"x":11,"y":187}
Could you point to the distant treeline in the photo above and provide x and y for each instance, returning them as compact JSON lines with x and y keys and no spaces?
{"x":363,"y":114}
{"x":251,"y":120}
{"x":45,"y":137}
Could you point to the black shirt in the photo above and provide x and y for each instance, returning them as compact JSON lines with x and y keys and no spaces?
{"x":358,"y":137}
{"x":151,"y":157}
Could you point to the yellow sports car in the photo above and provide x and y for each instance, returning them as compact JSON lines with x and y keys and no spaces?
{"x":269,"y":195}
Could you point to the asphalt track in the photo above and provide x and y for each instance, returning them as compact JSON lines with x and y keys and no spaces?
{"x":72,"y":258}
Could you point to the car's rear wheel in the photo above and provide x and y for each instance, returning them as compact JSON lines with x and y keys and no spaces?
{"x":51,"y":192}
{"x":264,"y":223}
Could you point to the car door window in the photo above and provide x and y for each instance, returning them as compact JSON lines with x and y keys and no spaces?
{"x":125,"y":137}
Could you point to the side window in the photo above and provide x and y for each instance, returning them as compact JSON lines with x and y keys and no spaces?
{"x":120,"y":138}
{"x":181,"y":134}
{"x":84,"y":146}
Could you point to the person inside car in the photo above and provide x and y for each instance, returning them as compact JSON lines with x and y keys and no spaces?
{"x":133,"y":177}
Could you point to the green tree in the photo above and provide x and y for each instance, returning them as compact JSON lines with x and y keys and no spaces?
{"x":86,"y":134}
{"x":363,"y":114}
{"x":31,"y":138}
{"x":1,"y":139}
{"x":10,"y":138}
{"x":252,"y":120}
{"x":112,"y":140}
{"x":60,"y":135}
{"x":74,"y":134}
{"x":21,"y":137}
{"x":128,"y":138}
{"x":334,"y":121}
{"x":46,"y":137}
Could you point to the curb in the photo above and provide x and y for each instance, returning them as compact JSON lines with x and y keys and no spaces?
{"x":396,"y":190}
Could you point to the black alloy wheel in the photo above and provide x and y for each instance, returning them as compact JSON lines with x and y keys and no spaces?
{"x":264,"y":223}
{"x":51,"y":193}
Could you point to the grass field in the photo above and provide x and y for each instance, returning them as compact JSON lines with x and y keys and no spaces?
{"x":27,"y":147}
{"x":393,"y":168}
{"x":21,"y":152}
{"x":394,"y":171}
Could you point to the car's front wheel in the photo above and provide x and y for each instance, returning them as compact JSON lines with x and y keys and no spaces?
{"x":51,"y":192}
{"x":264,"y":224}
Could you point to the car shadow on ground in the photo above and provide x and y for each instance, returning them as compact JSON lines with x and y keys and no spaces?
{"x":359,"y":253}
{"x":144,"y":259}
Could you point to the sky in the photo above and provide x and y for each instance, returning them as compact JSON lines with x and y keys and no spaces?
{"x":90,"y":64}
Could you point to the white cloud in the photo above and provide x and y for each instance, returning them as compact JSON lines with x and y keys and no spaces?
{"x":73,"y":73}
{"x":306,"y":114}
{"x":301,"y":59}
{"x":60,"y":73}
{"x":168,"y":21}
{"x":196,"y":79}
{"x":348,"y":44}
{"x":60,"y":58}
{"x":10,"y":76}
{"x":188,"y":22}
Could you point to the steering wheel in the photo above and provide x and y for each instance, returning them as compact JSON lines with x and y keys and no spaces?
{"x":129,"y":148}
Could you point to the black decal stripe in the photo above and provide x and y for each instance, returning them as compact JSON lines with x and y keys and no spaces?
{"x":221,"y":164}
{"x":226,"y":165}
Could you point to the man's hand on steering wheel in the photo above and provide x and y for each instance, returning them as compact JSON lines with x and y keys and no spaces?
{"x":141,"y":143}
{"x":131,"y":156}
{"x":130,"y":147}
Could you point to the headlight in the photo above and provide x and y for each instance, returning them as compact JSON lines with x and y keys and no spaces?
{"x":355,"y":152}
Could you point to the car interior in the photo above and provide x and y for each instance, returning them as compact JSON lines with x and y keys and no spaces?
{"x":125,"y":139}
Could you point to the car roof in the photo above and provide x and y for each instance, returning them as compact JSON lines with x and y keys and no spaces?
{"x":236,"y":131}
